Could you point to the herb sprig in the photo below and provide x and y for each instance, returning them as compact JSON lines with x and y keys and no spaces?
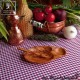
{"x":44,"y":37}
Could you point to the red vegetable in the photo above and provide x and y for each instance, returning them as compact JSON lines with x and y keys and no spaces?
{"x":60,"y":14}
{"x":48,"y":9}
{"x":50,"y":17}
{"x":39,"y":16}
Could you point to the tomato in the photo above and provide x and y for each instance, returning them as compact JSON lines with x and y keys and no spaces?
{"x":48,"y":9}
{"x":50,"y":17}
{"x":39,"y":16}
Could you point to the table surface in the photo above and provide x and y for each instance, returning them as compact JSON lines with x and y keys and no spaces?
{"x":13,"y":67}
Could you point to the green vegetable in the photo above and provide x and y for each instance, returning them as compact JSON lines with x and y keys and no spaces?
{"x":73,"y":18}
{"x":44,"y":37}
{"x":34,"y":5}
{"x":67,"y":3}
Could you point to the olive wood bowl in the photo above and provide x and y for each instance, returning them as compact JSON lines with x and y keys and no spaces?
{"x":42,"y":54}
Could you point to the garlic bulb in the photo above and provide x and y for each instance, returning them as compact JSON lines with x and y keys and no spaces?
{"x":69,"y":32}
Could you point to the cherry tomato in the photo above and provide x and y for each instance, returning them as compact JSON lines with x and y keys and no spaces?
{"x":50,"y":17}
{"x":39,"y":16}
{"x":48,"y":9}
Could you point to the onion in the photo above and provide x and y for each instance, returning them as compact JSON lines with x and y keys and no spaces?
{"x":60,"y":14}
{"x":69,"y":32}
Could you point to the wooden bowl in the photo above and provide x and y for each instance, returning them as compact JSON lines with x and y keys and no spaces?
{"x":52,"y":27}
{"x":43,"y":54}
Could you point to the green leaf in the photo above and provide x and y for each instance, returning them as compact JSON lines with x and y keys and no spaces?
{"x":3,"y":31}
{"x":3,"y":26}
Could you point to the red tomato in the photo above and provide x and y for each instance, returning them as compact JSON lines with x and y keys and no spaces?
{"x":50,"y":17}
{"x":39,"y":16}
{"x":48,"y":9}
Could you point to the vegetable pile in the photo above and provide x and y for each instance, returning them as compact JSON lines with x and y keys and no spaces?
{"x":73,"y":12}
{"x":48,"y":14}
{"x":56,"y":13}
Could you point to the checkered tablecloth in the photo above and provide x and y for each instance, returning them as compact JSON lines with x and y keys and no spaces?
{"x":13,"y":67}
